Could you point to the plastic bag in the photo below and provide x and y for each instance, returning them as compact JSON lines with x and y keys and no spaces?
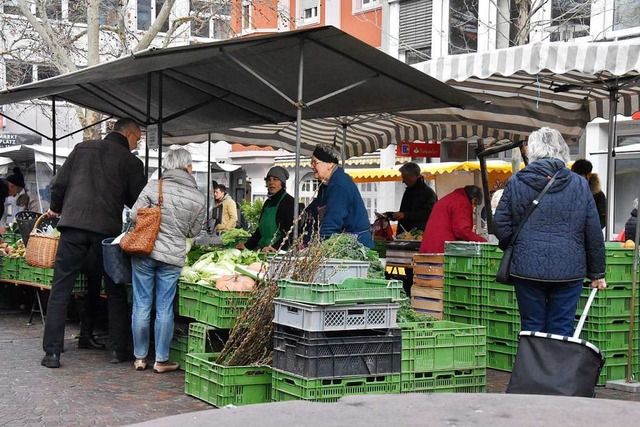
{"x":382,"y":228}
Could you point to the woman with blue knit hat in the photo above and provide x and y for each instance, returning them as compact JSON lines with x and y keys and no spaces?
{"x":276,"y":218}
{"x":339,"y":206}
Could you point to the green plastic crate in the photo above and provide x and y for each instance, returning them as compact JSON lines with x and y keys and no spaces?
{"x":461,"y":291}
{"x":291,"y":387}
{"x":468,"y":249}
{"x":501,"y":354}
{"x":349,"y":291}
{"x":490,"y":267}
{"x":11,"y":268}
{"x":226,"y":385}
{"x":619,"y":273}
{"x":178,"y":349}
{"x":615,"y":367}
{"x":612,"y":302}
{"x":442,"y":345}
{"x":220,"y":308}
{"x":498,"y":295}
{"x":188,"y":299}
{"x":463,"y":313}
{"x":463,"y":264}
{"x":205,"y":339}
{"x":454,"y":381}
{"x":615,"y":254}
{"x":491,"y":251}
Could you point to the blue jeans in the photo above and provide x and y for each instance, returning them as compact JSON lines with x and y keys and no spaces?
{"x":148,"y":272}
{"x":548,"y":306}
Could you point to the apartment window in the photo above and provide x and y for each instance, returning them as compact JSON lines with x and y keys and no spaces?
{"x":77,"y":12}
{"x":109,"y":11}
{"x":144,"y":14}
{"x":415,"y":30}
{"x":508,"y":33}
{"x":211,"y":19}
{"x":308,"y":12}
{"x":369,"y":193}
{"x":246,"y":15}
{"x":46,"y":72}
{"x":53,"y":9}
{"x":626,"y":14}
{"x":308,"y":189}
{"x":570,"y":19}
{"x":11,"y":7}
{"x":363,"y":5}
{"x":463,"y":26}
{"x":18,"y":73}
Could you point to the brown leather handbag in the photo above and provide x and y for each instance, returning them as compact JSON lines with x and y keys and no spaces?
{"x":140,"y":240}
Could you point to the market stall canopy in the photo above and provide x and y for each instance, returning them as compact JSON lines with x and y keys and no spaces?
{"x":217,"y":86}
{"x":560,"y":85}
{"x":34,"y":153}
{"x":428,"y":170}
{"x":199,"y":163}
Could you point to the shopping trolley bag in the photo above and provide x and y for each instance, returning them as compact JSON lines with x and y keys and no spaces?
{"x":555,"y":365}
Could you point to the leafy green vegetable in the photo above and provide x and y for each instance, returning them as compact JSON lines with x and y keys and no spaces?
{"x":346,"y":246}
{"x":231,"y":237}
{"x":406,"y":313}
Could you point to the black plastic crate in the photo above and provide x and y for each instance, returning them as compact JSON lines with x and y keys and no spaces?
{"x":338,"y":353}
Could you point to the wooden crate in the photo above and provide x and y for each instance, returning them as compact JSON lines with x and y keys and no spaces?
{"x":428,"y":270}
{"x":400,"y":257}
{"x":427,"y":301}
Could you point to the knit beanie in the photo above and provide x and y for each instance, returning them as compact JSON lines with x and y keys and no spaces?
{"x":280,"y":173}
{"x":16,"y":178}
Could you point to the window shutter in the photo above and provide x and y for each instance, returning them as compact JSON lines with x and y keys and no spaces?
{"x":308,"y":4}
{"x":415,"y":23}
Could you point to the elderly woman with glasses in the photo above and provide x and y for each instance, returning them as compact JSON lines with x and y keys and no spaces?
{"x":339,"y":206}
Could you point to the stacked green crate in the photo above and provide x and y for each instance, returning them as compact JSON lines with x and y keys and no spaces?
{"x":178,"y":349}
{"x":11,"y":268}
{"x":463,"y":283}
{"x":443,"y":356}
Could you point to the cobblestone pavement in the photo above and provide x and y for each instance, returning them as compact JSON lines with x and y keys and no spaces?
{"x":88,"y":390}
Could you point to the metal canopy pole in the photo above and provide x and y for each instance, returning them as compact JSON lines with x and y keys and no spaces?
{"x":299,"y":105}
{"x":208,"y":182}
{"x":53,"y":133}
{"x":146,"y":146}
{"x":160,"y":118}
{"x":611,"y":153}
{"x":344,"y":144}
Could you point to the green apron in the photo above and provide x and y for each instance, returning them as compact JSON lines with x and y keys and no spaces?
{"x":268,"y":224}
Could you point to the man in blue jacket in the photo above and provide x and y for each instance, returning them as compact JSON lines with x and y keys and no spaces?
{"x":339,"y":206}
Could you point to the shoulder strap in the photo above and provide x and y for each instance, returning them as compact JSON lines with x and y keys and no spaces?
{"x":160,"y":192}
{"x":531,"y":207}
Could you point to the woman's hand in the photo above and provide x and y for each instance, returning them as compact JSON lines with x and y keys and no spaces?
{"x":599,"y":283}
{"x":240,"y":246}
{"x":269,"y":249}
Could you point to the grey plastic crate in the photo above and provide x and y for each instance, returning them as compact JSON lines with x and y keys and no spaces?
{"x":335,"y":270}
{"x":337,"y":354}
{"x":336,"y":317}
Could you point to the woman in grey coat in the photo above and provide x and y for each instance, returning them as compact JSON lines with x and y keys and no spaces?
{"x":183,"y":209}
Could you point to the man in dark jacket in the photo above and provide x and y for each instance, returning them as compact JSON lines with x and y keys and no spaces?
{"x":88,"y":193}
{"x":584,"y":168}
{"x":417,"y":201}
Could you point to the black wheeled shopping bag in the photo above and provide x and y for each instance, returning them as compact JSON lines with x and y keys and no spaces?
{"x":555,"y":365}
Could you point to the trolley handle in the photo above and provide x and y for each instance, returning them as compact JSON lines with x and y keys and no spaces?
{"x":583,"y":318}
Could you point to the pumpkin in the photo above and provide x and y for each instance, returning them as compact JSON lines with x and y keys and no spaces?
{"x":235,"y":283}
{"x":629,"y":244}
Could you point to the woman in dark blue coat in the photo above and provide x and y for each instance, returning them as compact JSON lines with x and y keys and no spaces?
{"x":560,"y":243}
{"x":339,"y":206}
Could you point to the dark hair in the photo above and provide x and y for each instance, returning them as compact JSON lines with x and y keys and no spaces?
{"x":473,"y":192}
{"x":123,"y":124}
{"x":582,"y":167}
{"x":221,"y":187}
{"x":410,"y":168}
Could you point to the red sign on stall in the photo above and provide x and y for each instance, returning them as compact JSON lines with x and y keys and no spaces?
{"x":418,"y":149}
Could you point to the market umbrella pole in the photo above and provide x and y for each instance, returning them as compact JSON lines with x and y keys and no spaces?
{"x":208,"y":182}
{"x":613,"y":114}
{"x":299,"y":105}
{"x":53,"y":134}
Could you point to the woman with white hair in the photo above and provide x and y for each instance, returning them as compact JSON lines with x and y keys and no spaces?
{"x":560,"y":242}
{"x":182,"y":215}
{"x":339,"y":206}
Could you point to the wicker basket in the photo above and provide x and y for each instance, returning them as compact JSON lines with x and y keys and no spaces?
{"x":41,"y":248}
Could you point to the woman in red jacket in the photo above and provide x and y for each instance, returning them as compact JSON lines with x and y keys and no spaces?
{"x":452,"y":219}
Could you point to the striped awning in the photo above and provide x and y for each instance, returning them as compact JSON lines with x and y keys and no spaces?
{"x":562,"y":85}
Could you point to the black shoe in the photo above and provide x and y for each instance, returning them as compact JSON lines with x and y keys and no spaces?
{"x":51,"y":360}
{"x":118,"y":357}
{"x":90,"y":343}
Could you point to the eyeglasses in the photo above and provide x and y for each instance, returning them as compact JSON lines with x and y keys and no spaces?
{"x":316,"y":162}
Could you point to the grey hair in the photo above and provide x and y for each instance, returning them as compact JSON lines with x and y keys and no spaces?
{"x":176,"y":158}
{"x":332,"y":150}
{"x":121,"y":125}
{"x":547,"y":143}
{"x":410,"y":168}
